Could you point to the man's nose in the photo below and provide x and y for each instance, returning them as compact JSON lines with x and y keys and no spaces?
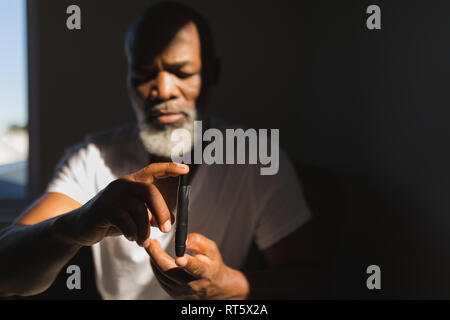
{"x":164,"y":88}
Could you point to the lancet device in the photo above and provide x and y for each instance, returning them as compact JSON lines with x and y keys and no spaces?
{"x":184,"y":190}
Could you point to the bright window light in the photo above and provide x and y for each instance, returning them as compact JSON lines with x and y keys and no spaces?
{"x":13,"y":99}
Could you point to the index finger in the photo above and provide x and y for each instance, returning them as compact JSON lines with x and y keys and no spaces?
{"x":160,"y":170}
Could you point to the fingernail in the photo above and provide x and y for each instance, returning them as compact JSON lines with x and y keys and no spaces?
{"x":182,"y":261}
{"x":182,"y":166}
{"x":167,"y":225}
{"x":146,"y":243}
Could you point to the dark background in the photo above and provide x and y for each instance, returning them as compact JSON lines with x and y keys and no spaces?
{"x":371,"y":107}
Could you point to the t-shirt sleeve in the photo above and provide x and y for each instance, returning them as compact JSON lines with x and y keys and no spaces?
{"x":72,"y":176}
{"x":282,"y":207}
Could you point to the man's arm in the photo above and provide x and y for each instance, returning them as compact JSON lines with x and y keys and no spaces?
{"x":298,"y":266}
{"x":46,"y":237}
{"x":32,"y":250}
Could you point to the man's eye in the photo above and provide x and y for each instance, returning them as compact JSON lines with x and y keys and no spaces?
{"x":184,"y":75}
{"x":141,"y":78}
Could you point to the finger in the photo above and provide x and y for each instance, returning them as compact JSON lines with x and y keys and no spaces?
{"x":166,"y":286}
{"x":139,"y":213}
{"x":170,"y":289}
{"x":162,"y":260}
{"x":158,"y":212}
{"x":150,"y":194}
{"x":162,"y":276}
{"x":175,"y":275}
{"x":159,"y":209}
{"x":193,"y":265}
{"x":200,"y":244}
{"x":125,"y":223}
{"x":158,"y":171}
{"x":177,"y":291}
{"x":153,"y":221}
{"x":141,"y":192}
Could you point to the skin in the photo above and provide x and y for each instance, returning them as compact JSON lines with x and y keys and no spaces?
{"x":55,"y":227}
{"x":47,"y":236}
{"x":173,"y":76}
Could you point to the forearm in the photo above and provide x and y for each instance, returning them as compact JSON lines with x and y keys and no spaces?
{"x":287,"y":283}
{"x":32,"y":256}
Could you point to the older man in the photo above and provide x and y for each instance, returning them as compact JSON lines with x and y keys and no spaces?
{"x":116,"y":192}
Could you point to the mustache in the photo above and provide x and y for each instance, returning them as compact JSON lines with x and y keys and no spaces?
{"x":152,"y":111}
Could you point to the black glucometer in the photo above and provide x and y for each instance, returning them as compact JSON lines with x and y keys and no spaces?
{"x":184,"y":190}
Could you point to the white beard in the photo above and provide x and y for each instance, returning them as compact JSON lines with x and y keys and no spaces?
{"x":157,"y":139}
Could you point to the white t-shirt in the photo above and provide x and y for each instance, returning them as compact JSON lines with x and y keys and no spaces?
{"x":231,"y":204}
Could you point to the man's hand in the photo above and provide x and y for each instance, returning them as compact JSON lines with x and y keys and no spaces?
{"x":201,"y":276}
{"x":128,"y":206}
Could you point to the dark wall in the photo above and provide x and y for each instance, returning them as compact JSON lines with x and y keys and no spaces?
{"x":369,"y":106}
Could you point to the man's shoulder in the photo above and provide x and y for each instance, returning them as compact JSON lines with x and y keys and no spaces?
{"x":115,"y":146}
{"x":112,"y":136}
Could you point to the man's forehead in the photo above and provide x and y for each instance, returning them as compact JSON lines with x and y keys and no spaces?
{"x":183,"y":47}
{"x":187,"y":33}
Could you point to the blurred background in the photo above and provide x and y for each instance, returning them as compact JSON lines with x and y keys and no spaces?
{"x":370,"y":107}
{"x":13,"y":99}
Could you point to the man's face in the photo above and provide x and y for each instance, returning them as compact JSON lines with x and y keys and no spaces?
{"x":164,"y":87}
